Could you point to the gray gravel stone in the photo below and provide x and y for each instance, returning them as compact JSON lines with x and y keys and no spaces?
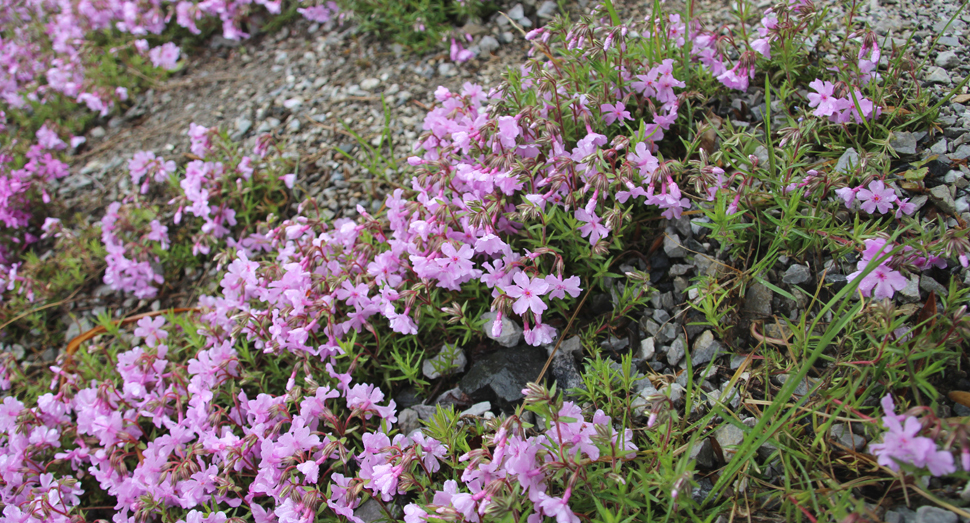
{"x":948,"y":59}
{"x":447,"y":70}
{"x":910,"y":293}
{"x":757,"y":300}
{"x":675,"y":391}
{"x":673,"y":246}
{"x":563,"y":369}
{"x":900,"y":515}
{"x":848,"y":161}
{"x":667,"y":333}
{"x":939,"y":147}
{"x":841,"y":435}
{"x":706,"y":348}
{"x":703,"y":454}
{"x":940,"y":195}
{"x":511,"y":332}
{"x":737,"y":360}
{"x":488,"y":44}
{"x":408,"y":421}
{"x":548,"y":9}
{"x":451,"y":360}
{"x":370,"y":511}
{"x":903,"y":142}
{"x":797,"y":274}
{"x":801,"y":389}
{"x":676,"y":352}
{"x":572,"y":346}
{"x":727,"y":435}
{"x":937,"y":75}
{"x":647,"y":348}
{"x":370,"y":84}
{"x":243,"y":125}
{"x":928,"y":284}
{"x":962,"y":152}
{"x":478,"y":409}
{"x":928,"y":514}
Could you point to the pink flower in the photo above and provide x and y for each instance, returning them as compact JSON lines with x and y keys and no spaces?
{"x":540,"y":334}
{"x":459,"y":54}
{"x":877,"y":197}
{"x":561,"y":287}
{"x":557,"y":508}
{"x":527,"y":292}
{"x":414,"y":514}
{"x":165,"y":56}
{"x":847,"y":194}
{"x":823,"y":99}
{"x":612,"y":113}
{"x":905,"y":207}
{"x":151,"y":330}
{"x":763,"y":47}
{"x":508,"y":130}
{"x":902,"y":444}
{"x":593,"y":228}
{"x":882,"y":282}
{"x":643,"y":160}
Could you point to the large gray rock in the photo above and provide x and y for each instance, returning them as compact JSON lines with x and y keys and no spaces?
{"x":501,"y":376}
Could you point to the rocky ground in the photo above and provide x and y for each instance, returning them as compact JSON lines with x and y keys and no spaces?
{"x":303,"y":83}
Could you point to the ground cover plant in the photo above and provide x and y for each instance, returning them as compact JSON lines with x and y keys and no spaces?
{"x":533,"y":207}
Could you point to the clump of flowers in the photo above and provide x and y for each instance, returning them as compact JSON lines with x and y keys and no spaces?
{"x":884,"y":281}
{"x":902,"y":444}
{"x":131,"y":239}
{"x":214,"y":187}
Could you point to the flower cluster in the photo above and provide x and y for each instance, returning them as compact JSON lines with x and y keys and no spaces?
{"x":176,"y":437}
{"x":903,"y":444}
{"x":852,"y":106}
{"x":48,"y":56}
{"x":213,"y":186}
{"x":884,"y":281}
{"x":877,"y":198}
{"x":129,"y":243}
{"x":40,"y":168}
{"x":524,"y":466}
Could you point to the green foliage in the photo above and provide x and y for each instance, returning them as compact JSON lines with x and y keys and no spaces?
{"x":418,"y":25}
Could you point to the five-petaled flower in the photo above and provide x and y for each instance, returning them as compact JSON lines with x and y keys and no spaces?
{"x":527,"y":292}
